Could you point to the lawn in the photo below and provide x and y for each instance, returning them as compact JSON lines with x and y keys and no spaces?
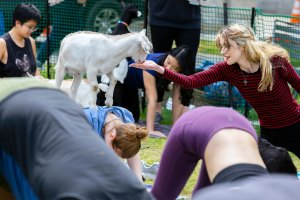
{"x":151,"y":152}
{"x":152,"y":149}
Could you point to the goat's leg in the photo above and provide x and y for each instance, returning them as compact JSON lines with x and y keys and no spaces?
{"x":103,"y":87}
{"x":94,"y":88}
{"x":104,"y":83}
{"x":75,"y":85}
{"x":110,"y":92}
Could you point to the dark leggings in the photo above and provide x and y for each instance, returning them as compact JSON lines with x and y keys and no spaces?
{"x":287,"y":137}
{"x":238,"y":172}
{"x":162,"y":40}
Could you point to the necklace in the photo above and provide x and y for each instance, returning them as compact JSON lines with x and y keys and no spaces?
{"x":245,"y":78}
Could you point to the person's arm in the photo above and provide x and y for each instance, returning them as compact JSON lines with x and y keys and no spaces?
{"x":150,"y":89}
{"x":151,"y":93}
{"x":2,"y":49}
{"x":134,"y":164}
{"x":218,"y":72}
{"x":33,"y":46}
{"x":291,"y":75}
{"x":37,"y":72}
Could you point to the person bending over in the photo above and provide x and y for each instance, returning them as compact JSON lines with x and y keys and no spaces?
{"x":48,"y":149}
{"x":115,"y":125}
{"x":223,"y":139}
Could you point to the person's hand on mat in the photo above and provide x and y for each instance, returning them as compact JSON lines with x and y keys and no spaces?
{"x":156,"y":134}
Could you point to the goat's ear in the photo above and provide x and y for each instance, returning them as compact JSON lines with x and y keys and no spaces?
{"x":143,"y":32}
{"x":146,"y":44}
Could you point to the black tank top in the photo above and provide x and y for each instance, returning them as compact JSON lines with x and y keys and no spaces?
{"x":20,"y":60}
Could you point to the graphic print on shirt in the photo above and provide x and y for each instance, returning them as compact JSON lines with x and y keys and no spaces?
{"x":22,"y":62}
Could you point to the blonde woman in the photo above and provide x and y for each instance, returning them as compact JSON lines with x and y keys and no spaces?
{"x":262,"y":73}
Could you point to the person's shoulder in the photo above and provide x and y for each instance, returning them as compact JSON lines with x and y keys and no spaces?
{"x":278,"y":60}
{"x":155,"y":56}
{"x":2,"y":42}
{"x":32,"y":41}
{"x":2,"y":47}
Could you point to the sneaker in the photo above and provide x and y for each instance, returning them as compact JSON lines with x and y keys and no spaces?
{"x":149,"y":171}
{"x":158,"y":117}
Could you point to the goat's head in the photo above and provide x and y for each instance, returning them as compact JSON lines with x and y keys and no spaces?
{"x":130,"y":12}
{"x":145,"y":47}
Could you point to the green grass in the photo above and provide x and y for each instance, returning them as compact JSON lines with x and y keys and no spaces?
{"x":44,"y":72}
{"x":208,"y":47}
{"x":152,"y":149}
{"x":151,"y":152}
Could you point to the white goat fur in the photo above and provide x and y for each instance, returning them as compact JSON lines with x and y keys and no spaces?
{"x":84,"y":94}
{"x":97,"y":54}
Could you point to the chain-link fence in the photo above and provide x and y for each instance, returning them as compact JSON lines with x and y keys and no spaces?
{"x":66,"y":16}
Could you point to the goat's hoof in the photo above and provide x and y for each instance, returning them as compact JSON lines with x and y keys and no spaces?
{"x":108,"y":103}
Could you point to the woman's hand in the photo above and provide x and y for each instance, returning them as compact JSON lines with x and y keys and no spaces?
{"x":134,"y":164}
{"x":150,"y":65}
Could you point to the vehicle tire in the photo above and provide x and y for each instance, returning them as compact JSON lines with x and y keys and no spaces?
{"x":103,"y":16}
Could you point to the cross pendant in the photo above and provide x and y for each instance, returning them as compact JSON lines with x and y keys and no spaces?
{"x":245,"y":82}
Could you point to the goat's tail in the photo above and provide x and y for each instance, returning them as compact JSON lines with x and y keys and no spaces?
{"x":59,"y":67}
{"x":61,"y":45}
{"x":59,"y":72}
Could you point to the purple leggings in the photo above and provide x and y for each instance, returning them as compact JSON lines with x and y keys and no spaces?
{"x":186,"y":146}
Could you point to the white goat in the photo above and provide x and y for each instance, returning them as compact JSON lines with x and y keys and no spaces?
{"x":97,"y":54}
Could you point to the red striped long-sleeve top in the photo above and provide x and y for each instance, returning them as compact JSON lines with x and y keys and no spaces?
{"x":275,"y":109}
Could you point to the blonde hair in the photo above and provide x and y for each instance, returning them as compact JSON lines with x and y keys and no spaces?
{"x":255,"y":51}
{"x":128,"y":139}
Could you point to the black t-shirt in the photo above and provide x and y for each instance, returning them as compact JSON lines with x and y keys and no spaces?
{"x":20,"y":61}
